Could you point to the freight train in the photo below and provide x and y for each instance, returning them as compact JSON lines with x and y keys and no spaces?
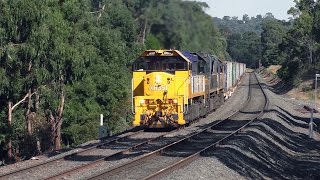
{"x":172,"y":88}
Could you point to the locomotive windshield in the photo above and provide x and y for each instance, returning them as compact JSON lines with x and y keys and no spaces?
{"x":160,"y":63}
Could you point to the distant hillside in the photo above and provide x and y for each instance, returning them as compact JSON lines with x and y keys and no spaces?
{"x":253,"y":39}
{"x":235,"y":25}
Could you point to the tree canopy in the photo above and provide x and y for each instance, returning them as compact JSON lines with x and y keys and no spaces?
{"x":62,"y":63}
{"x":253,"y":39}
{"x":300,"y":49}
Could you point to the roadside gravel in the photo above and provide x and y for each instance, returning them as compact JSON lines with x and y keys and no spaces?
{"x":205,"y":168}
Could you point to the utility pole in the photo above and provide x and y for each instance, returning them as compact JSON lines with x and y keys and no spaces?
{"x":314,"y":109}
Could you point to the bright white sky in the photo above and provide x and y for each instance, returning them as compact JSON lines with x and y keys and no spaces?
{"x":220,"y":8}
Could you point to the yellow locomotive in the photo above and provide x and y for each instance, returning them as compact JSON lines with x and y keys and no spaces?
{"x":171,"y":88}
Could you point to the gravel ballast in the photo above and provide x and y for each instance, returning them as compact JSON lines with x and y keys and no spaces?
{"x":232,"y":105}
{"x":276,"y":146}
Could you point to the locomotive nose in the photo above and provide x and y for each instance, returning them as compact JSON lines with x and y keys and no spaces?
{"x":158,"y":114}
{"x":158,"y":79}
{"x":156,"y":83}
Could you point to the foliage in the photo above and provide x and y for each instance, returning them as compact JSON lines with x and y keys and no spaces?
{"x":170,"y":25}
{"x":234,"y":25}
{"x":245,"y":48}
{"x":253,"y":40}
{"x":299,"y":48}
{"x":69,"y":61}
{"x":271,"y":37}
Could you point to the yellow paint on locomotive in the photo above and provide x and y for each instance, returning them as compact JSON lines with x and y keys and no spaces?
{"x":169,"y":90}
{"x":160,"y":94}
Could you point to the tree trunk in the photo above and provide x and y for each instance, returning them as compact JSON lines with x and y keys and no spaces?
{"x":28,"y":115}
{"x":36,"y":108}
{"x":11,"y":107}
{"x":143,"y":30}
{"x":38,"y":145}
{"x":58,"y":136}
{"x":51,"y":120}
{"x":37,"y":102}
{"x":59,"y":122}
{"x":9,"y":143}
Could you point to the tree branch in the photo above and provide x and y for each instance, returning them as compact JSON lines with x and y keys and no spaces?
{"x":22,"y":100}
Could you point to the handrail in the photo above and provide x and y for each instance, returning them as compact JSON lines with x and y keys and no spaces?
{"x":206,"y":91}
{"x":186,"y":89}
{"x":132,"y":103}
{"x":185,"y":83}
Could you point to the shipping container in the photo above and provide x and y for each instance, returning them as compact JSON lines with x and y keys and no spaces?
{"x":234,"y":74}
{"x":228,"y":75}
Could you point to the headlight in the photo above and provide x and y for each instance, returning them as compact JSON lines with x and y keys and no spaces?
{"x":142,"y":101}
{"x":175,"y":101}
{"x":158,"y":79}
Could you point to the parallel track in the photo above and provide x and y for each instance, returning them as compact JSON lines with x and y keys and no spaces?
{"x":110,"y":140}
{"x":94,"y":162}
{"x":153,"y":143}
{"x":68,"y":172}
{"x":140,"y":148}
{"x":170,"y":157}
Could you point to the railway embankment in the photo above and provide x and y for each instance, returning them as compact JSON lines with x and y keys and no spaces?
{"x":276,"y":146}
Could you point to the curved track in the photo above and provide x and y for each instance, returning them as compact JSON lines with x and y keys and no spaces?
{"x":128,"y":147}
{"x":131,"y":152}
{"x":179,"y":153}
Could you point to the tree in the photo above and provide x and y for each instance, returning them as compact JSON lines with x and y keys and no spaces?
{"x":245,"y":18}
{"x":271,"y":37}
{"x":62,"y":63}
{"x":245,"y":48}
{"x":17,"y":55}
{"x":299,"y":47}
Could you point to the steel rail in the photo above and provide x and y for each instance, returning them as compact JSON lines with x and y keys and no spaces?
{"x":155,"y":153}
{"x":94,"y":163}
{"x":114,"y":139}
{"x":198,"y":154}
{"x":68,"y":172}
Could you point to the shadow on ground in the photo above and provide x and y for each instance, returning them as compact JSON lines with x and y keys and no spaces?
{"x":269,"y":149}
{"x":277,"y":86}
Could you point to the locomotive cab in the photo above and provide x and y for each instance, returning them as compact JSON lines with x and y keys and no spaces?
{"x":159,"y":87}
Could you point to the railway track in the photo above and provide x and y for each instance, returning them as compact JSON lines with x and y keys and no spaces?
{"x":112,"y":141}
{"x":123,"y":143}
{"x":183,"y":151}
{"x":133,"y":150}
{"x":130,"y":153}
